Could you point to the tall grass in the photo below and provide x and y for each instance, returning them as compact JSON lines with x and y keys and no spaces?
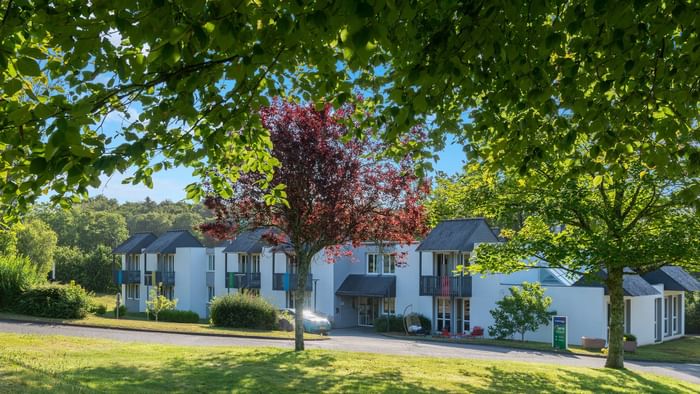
{"x":17,"y":275}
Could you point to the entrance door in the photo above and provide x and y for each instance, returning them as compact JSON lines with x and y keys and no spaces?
{"x":444,"y":314}
{"x":367,"y":310}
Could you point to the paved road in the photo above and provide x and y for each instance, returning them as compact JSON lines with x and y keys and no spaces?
{"x":360,"y":341}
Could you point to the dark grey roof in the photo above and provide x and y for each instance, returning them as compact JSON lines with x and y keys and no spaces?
{"x":249,"y":241}
{"x":368,"y":286}
{"x":172,"y":239}
{"x":135,"y":243}
{"x":458,"y":235}
{"x":633,"y":284}
{"x":673,"y":278}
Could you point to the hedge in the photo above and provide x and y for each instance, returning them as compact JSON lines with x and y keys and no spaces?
{"x":57,"y":301}
{"x":17,"y":275}
{"x":243,"y":311}
{"x":176,"y":316}
{"x":396,"y":323}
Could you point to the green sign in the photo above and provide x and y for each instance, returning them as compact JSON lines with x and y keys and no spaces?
{"x":559,"y":328}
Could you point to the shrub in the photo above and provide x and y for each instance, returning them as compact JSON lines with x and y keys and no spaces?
{"x":630,"y":337}
{"x":425,"y":323}
{"x":176,"y":316}
{"x":99,"y":309}
{"x":692,"y":313}
{"x":57,"y":301}
{"x":389,"y":324}
{"x":122,"y":311}
{"x":17,"y":275}
{"x":242,"y":310}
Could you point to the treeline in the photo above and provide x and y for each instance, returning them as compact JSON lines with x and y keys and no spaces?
{"x":80,"y":240}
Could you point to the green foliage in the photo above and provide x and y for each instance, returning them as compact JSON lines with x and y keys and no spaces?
{"x":57,"y":301}
{"x":158,"y":303}
{"x":17,"y":275}
{"x":99,"y":309}
{"x":37,"y":241}
{"x":122,"y":311}
{"x":692,"y":313}
{"x":630,"y":337}
{"x":393,"y":323}
{"x":176,"y":316}
{"x":91,"y":269}
{"x":241,"y":310}
{"x":525,"y":309}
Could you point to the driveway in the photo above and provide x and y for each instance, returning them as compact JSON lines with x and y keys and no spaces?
{"x":361,"y":340}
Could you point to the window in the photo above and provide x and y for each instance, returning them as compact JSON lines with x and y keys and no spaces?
{"x":210,"y":292}
{"x":132,"y":291}
{"x":212,"y":263}
{"x":168,"y":292}
{"x":242,"y":263}
{"x":255,"y":263}
{"x":132,"y":262}
{"x":443,"y":266}
{"x":389,"y":263}
{"x":381,"y":263}
{"x":466,"y":317}
{"x":166,"y":263}
{"x":390,"y":306}
{"x":444,"y":314}
{"x":372,"y":264}
{"x":666,"y":307}
{"x":676,"y":313}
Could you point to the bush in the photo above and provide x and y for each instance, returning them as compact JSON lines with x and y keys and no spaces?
{"x":176,"y":316}
{"x":630,"y":337}
{"x":425,"y":323}
{"x":389,"y":324}
{"x":17,"y":275}
{"x":692,"y":313}
{"x":57,"y":301}
{"x":243,"y":311}
{"x":122,"y":311}
{"x":99,"y":309}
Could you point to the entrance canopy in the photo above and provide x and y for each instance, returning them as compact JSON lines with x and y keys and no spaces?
{"x":368,"y":286}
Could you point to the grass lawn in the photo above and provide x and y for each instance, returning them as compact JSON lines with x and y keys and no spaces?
{"x":32,"y":363}
{"x":684,"y":350}
{"x":139,"y":322}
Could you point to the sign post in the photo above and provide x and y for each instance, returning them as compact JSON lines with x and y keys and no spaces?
{"x":560,"y":326}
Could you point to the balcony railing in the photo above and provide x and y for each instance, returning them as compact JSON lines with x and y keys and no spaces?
{"x":288,"y":282}
{"x":165,"y":278}
{"x":125,"y":277}
{"x":243,"y":280}
{"x":446,"y":286}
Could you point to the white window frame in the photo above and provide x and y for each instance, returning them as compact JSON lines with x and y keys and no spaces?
{"x":133,"y":291}
{"x":376,"y":264}
{"x":373,"y":263}
{"x":255,"y":263}
{"x":211,"y":293}
{"x":242,"y":263}
{"x":392,"y":264}
{"x":211,"y":263}
{"x":389,"y":306}
{"x":466,"y":315}
{"x":675,"y":313}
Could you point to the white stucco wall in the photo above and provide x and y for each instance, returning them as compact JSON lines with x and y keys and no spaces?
{"x":408,"y":283}
{"x":190,"y":279}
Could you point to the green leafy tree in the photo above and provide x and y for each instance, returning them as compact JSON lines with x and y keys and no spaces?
{"x":37,"y":241}
{"x":525,"y":309}
{"x":623,"y":74}
{"x":634,"y":218}
{"x":157,"y":302}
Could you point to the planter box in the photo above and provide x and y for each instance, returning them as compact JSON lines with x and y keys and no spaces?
{"x":630,"y":346}
{"x":592,"y":343}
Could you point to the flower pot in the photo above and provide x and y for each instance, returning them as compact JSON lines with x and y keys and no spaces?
{"x":630,"y":346}
{"x":592,"y":343}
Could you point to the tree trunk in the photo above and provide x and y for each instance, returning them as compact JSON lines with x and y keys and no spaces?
{"x":616,"y":334}
{"x":303,"y":263}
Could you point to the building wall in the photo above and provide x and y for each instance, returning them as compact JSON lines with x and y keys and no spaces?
{"x":190,"y":280}
{"x":642,"y":318}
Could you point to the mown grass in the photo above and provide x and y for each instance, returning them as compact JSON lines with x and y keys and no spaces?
{"x":683,"y":350}
{"x":32,"y":363}
{"x":138,"y":322}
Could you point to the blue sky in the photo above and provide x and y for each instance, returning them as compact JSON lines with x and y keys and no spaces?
{"x":170,"y":185}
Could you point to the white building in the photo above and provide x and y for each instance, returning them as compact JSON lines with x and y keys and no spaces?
{"x":356,"y":290}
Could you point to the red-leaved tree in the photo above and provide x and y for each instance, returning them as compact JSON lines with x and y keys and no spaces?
{"x":338,"y":192}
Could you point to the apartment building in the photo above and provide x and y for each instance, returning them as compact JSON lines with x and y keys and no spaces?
{"x":377,"y":280}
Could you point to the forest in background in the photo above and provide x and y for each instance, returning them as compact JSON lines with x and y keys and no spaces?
{"x":80,"y":240}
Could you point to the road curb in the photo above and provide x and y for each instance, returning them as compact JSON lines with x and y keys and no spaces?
{"x":206,"y":334}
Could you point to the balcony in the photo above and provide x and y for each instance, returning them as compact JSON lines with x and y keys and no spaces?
{"x":446,"y":286}
{"x":288,"y":282}
{"x":243,"y":280}
{"x":164,"y":278}
{"x":125,"y":277}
